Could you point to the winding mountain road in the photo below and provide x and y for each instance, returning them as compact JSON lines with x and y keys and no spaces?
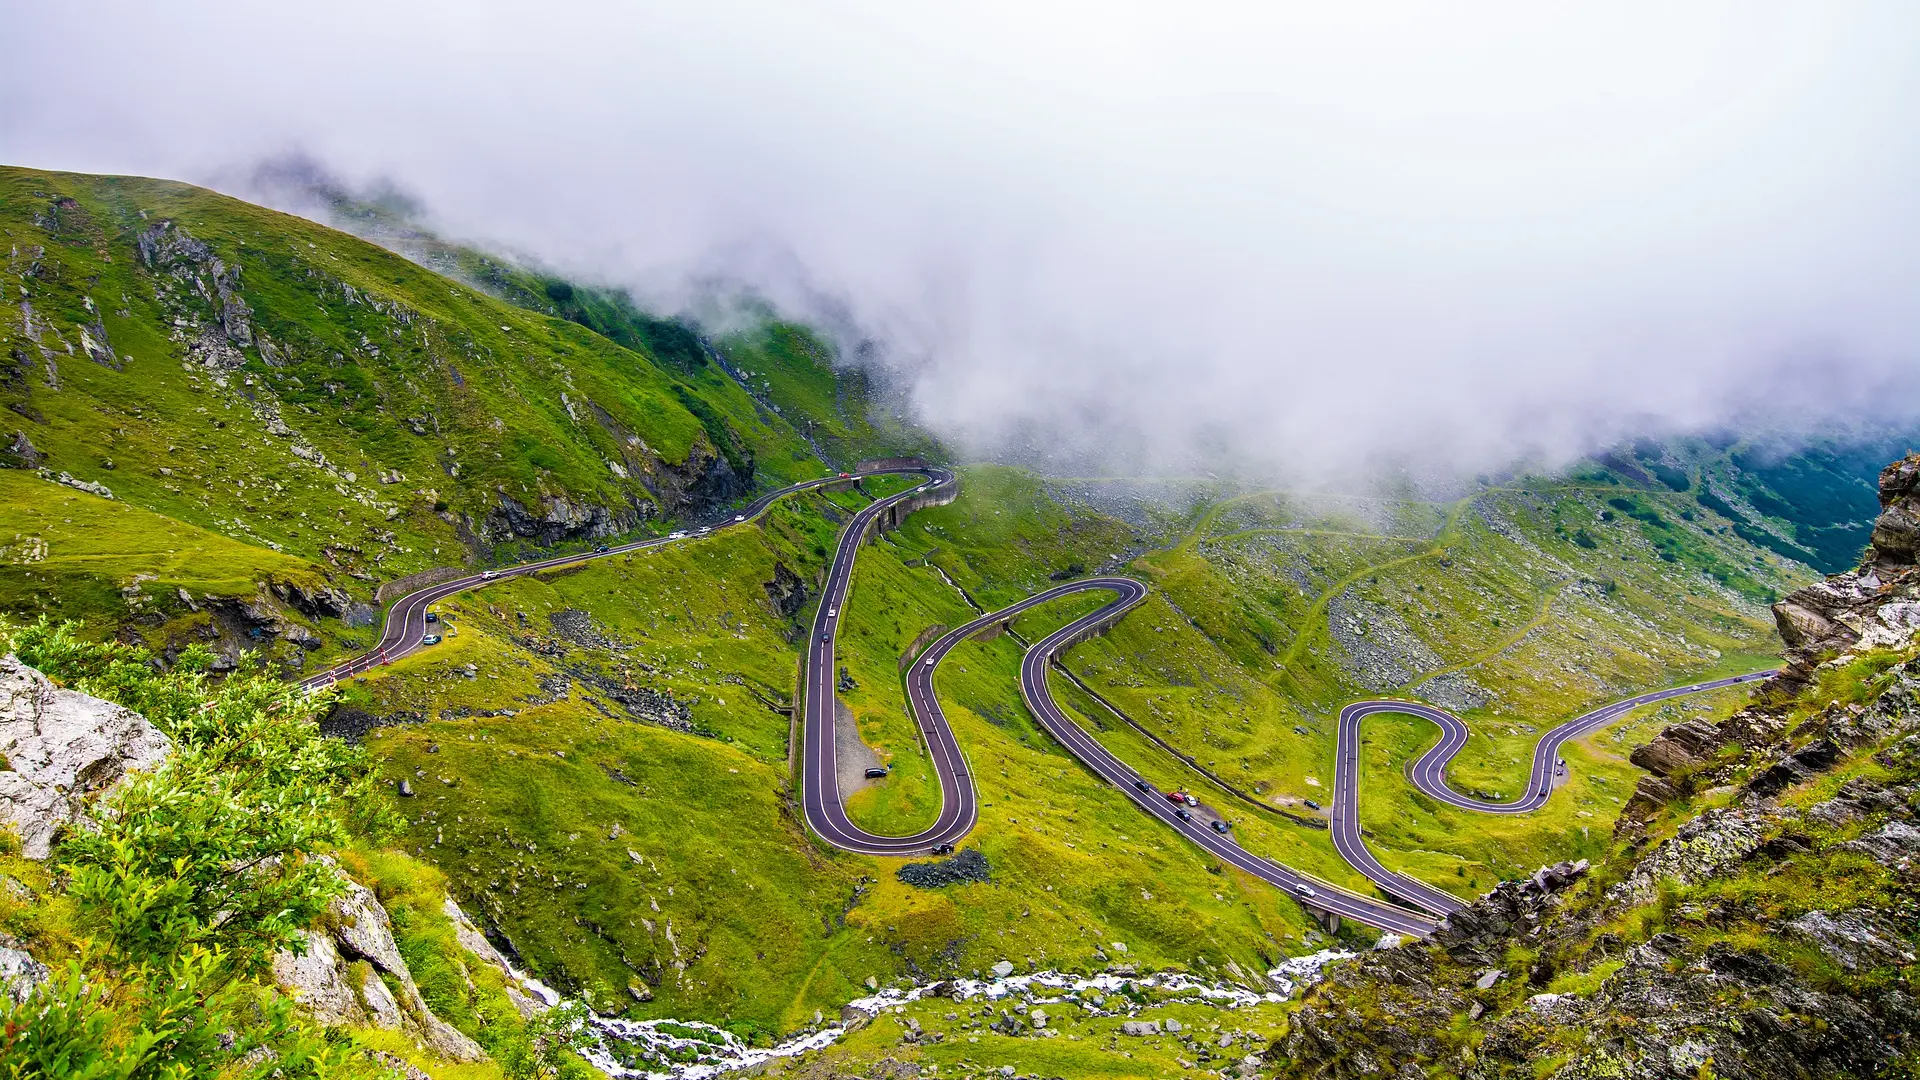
{"x":1429,"y":774}
{"x":406,"y":624}
{"x":406,"y":628}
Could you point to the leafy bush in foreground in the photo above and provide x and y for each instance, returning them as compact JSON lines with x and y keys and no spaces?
{"x":191,"y":878}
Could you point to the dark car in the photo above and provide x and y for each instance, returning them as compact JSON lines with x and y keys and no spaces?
{"x":1184,"y":814}
{"x":1220,"y":826}
{"x":430,"y":639}
{"x":601,"y":550}
{"x":1311,"y":805}
{"x":943,"y":849}
{"x":1142,"y":785}
{"x":875,"y":772}
{"x":431,"y":617}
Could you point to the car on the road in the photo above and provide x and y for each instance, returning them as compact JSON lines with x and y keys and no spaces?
{"x":1305,"y":890}
{"x":677,"y":536}
{"x":930,"y":661}
{"x":833,"y":612}
{"x":846,"y":476}
{"x":1219,"y":826}
{"x":431,"y":617}
{"x":489,"y":574}
{"x":601,"y":550}
{"x":1142,"y":785}
{"x":1183,"y":814}
{"x":739,"y":518}
{"x":430,"y":639}
{"x":826,"y":636}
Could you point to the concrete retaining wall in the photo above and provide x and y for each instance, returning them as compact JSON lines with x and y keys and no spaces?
{"x":889,"y":519}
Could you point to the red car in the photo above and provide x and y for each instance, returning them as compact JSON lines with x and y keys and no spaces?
{"x":846,"y":476}
{"x":1177,"y":797}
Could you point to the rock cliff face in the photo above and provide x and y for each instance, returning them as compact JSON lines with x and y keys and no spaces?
{"x":353,"y":973}
{"x":60,"y":750}
{"x":1877,"y":604}
{"x":1772,"y":935}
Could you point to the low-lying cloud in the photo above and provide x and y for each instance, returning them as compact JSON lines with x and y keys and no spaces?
{"x":1314,"y":235}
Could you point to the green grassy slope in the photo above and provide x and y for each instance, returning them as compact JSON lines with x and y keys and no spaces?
{"x":612,"y":752}
{"x":301,"y":392}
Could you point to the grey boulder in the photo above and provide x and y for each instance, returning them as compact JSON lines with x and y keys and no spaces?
{"x":60,"y":750}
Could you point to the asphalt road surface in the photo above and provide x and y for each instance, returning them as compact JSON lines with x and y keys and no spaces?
{"x":1428,"y":773}
{"x":406,"y":627}
{"x":406,"y":624}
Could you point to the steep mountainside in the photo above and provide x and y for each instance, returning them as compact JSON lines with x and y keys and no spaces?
{"x":344,"y":413}
{"x":1756,"y":917}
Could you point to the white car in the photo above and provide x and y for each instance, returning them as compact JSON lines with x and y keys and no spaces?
{"x":833,"y":612}
{"x":739,"y":517}
{"x":488,"y":574}
{"x":1306,"y":890}
{"x":929,"y":661}
{"x":677,"y":536}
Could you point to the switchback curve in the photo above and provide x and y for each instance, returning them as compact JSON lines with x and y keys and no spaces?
{"x":1428,"y":773}
{"x":406,"y":628}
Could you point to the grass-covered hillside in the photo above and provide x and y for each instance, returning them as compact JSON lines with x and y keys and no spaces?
{"x":1809,"y":500}
{"x":589,"y":747}
{"x":271,"y":386}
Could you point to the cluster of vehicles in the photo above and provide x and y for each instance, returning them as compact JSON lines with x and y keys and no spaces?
{"x":1182,"y":804}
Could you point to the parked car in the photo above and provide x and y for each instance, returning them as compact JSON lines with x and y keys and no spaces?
{"x":943,"y":849}
{"x":875,"y":772}
{"x":1176,"y":796}
{"x":1220,"y":826}
{"x":1311,"y":805}
{"x":430,"y":639}
{"x":1191,"y":801}
{"x":431,"y":617}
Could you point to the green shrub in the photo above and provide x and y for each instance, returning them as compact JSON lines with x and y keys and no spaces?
{"x":191,"y":876}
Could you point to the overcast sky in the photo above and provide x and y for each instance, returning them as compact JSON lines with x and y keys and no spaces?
{"x":1321,"y":233}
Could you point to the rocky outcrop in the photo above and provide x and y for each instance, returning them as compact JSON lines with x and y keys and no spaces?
{"x":787,"y":591}
{"x":969,"y":865}
{"x":1877,"y":604}
{"x":20,"y":973}
{"x":1731,"y":965}
{"x":553,"y":519}
{"x":60,"y":750}
{"x":698,"y":486}
{"x":20,"y":453}
{"x":1678,"y":748}
{"x":351,"y":972}
{"x":524,"y":995}
{"x":316,"y":601}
